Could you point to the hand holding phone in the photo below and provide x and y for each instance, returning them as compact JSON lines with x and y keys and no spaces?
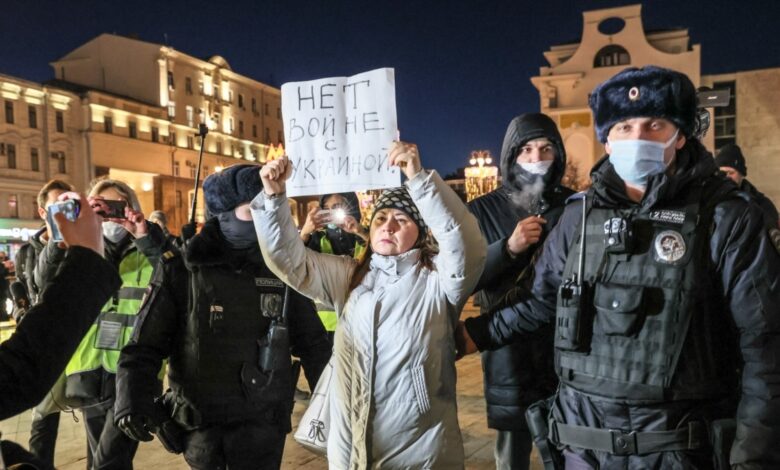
{"x":69,"y":208}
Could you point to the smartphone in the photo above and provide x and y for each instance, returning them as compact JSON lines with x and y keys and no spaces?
{"x":69,"y":208}
{"x":335,"y":216}
{"x":116,"y":209}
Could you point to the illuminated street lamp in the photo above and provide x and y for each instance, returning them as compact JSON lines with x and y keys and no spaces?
{"x":481,"y":176}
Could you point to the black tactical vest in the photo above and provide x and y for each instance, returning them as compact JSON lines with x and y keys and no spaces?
{"x":649,"y":325}
{"x":216,"y":372}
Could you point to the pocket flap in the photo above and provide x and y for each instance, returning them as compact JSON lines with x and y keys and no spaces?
{"x":618,"y":298}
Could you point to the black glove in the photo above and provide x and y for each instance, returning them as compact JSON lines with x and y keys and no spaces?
{"x":137,"y":427}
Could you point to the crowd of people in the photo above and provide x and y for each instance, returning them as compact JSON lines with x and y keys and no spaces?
{"x":635,"y":324}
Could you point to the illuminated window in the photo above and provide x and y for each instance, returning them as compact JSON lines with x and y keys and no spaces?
{"x":13,"y":206}
{"x":171,"y":110}
{"x":190,"y":117}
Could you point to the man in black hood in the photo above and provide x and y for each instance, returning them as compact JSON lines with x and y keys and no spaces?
{"x":667,"y":326}
{"x":731,"y":162}
{"x":228,"y":326}
{"x":515,"y":220}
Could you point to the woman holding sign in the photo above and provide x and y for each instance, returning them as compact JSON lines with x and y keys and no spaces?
{"x":392,"y":401}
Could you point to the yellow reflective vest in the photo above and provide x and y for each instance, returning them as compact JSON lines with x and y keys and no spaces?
{"x":329,"y":318}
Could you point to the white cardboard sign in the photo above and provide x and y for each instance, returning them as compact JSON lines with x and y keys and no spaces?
{"x":338,"y":131}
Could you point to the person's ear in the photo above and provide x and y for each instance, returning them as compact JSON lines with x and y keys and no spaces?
{"x":680,"y":142}
{"x":42,"y":213}
{"x":606,"y":148}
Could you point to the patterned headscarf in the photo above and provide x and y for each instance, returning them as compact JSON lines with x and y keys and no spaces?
{"x":399,"y":198}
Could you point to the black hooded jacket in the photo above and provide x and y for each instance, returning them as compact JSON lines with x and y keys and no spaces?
{"x":745,"y":294}
{"x":521,"y":373}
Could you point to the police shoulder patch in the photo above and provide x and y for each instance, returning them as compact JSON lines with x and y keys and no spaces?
{"x":669,"y":246}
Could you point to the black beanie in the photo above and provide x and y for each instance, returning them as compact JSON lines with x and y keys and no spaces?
{"x":231,"y":187}
{"x":645,"y":92}
{"x":731,"y":155}
{"x":399,"y":198}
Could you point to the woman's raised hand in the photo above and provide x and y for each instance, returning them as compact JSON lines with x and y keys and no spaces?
{"x":274,"y":175}
{"x":405,"y":156}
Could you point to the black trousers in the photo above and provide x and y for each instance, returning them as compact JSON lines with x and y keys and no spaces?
{"x":109,"y":448}
{"x":248,"y":445}
{"x":43,"y":437}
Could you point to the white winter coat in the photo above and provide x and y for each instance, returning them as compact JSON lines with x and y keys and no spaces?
{"x":393,"y":402}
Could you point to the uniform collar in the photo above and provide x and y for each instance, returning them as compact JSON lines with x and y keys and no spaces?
{"x":396,"y":265}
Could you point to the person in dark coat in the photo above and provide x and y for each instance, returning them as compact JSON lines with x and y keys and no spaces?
{"x":732,"y":163}
{"x":33,"y":358}
{"x":219,"y":315}
{"x":515,"y":219}
{"x":668,"y":327}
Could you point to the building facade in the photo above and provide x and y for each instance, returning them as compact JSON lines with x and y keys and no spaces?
{"x":39,"y":140}
{"x":612,"y":40}
{"x":752,"y":121}
{"x":142,"y":105}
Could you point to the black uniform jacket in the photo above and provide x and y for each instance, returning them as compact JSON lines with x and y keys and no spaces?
{"x":164,"y":320}
{"x":745,"y":266}
{"x":36,"y":354}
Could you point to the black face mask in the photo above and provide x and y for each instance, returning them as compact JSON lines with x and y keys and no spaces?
{"x":239,"y":233}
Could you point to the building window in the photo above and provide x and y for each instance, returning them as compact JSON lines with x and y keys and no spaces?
{"x":219,"y":147}
{"x":192,"y":170}
{"x":266,"y":109}
{"x":241,"y":101}
{"x":611,"y":55}
{"x":190,"y":117}
{"x":11,"y":154}
{"x":230,"y":125}
{"x":254,"y":105}
{"x":170,"y":81}
{"x":190,"y":142}
{"x":173,"y":138}
{"x":254,"y":130}
{"x":108,"y":125}
{"x":9,"y":112}
{"x":279,"y":136}
{"x":279,"y":113}
{"x":188,"y":85}
{"x":132,"y":129}
{"x":171,"y":110}
{"x":155,"y":134}
{"x":32,"y":116}
{"x":178,"y":198}
{"x":176,"y":169}
{"x":13,"y":206}
{"x":35,"y":164}
{"x":267,"y":139}
{"x":726,"y":117}
{"x":241,"y":128}
{"x":2,"y":149}
{"x":60,"y":118}
{"x":59,"y":158}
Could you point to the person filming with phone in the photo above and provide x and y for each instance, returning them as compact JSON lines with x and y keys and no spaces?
{"x":334,"y":228}
{"x":133,"y":246}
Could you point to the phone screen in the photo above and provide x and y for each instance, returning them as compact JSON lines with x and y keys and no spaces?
{"x":116,"y":209}
{"x":69,"y":208}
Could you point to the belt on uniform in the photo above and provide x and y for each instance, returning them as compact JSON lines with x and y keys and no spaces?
{"x":619,"y":442}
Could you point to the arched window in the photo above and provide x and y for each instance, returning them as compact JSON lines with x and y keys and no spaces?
{"x":611,"y":55}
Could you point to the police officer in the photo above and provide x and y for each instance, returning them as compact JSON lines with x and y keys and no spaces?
{"x":668,"y":328}
{"x":732,"y":163}
{"x":515,"y":219}
{"x":221,"y":317}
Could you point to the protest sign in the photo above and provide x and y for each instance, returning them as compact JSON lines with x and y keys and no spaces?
{"x":338,"y":132}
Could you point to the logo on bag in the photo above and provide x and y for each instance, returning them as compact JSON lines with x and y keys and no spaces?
{"x":669,"y":246}
{"x":316,"y":431}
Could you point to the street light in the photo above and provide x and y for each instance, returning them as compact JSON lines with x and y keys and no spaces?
{"x":481,"y":176}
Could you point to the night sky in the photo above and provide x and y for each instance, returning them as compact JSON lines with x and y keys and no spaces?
{"x":462,"y":67}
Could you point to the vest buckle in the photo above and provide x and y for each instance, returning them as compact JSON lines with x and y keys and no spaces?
{"x":623,"y":443}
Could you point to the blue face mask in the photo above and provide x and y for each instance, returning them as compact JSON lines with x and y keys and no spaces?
{"x":635,"y":161}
